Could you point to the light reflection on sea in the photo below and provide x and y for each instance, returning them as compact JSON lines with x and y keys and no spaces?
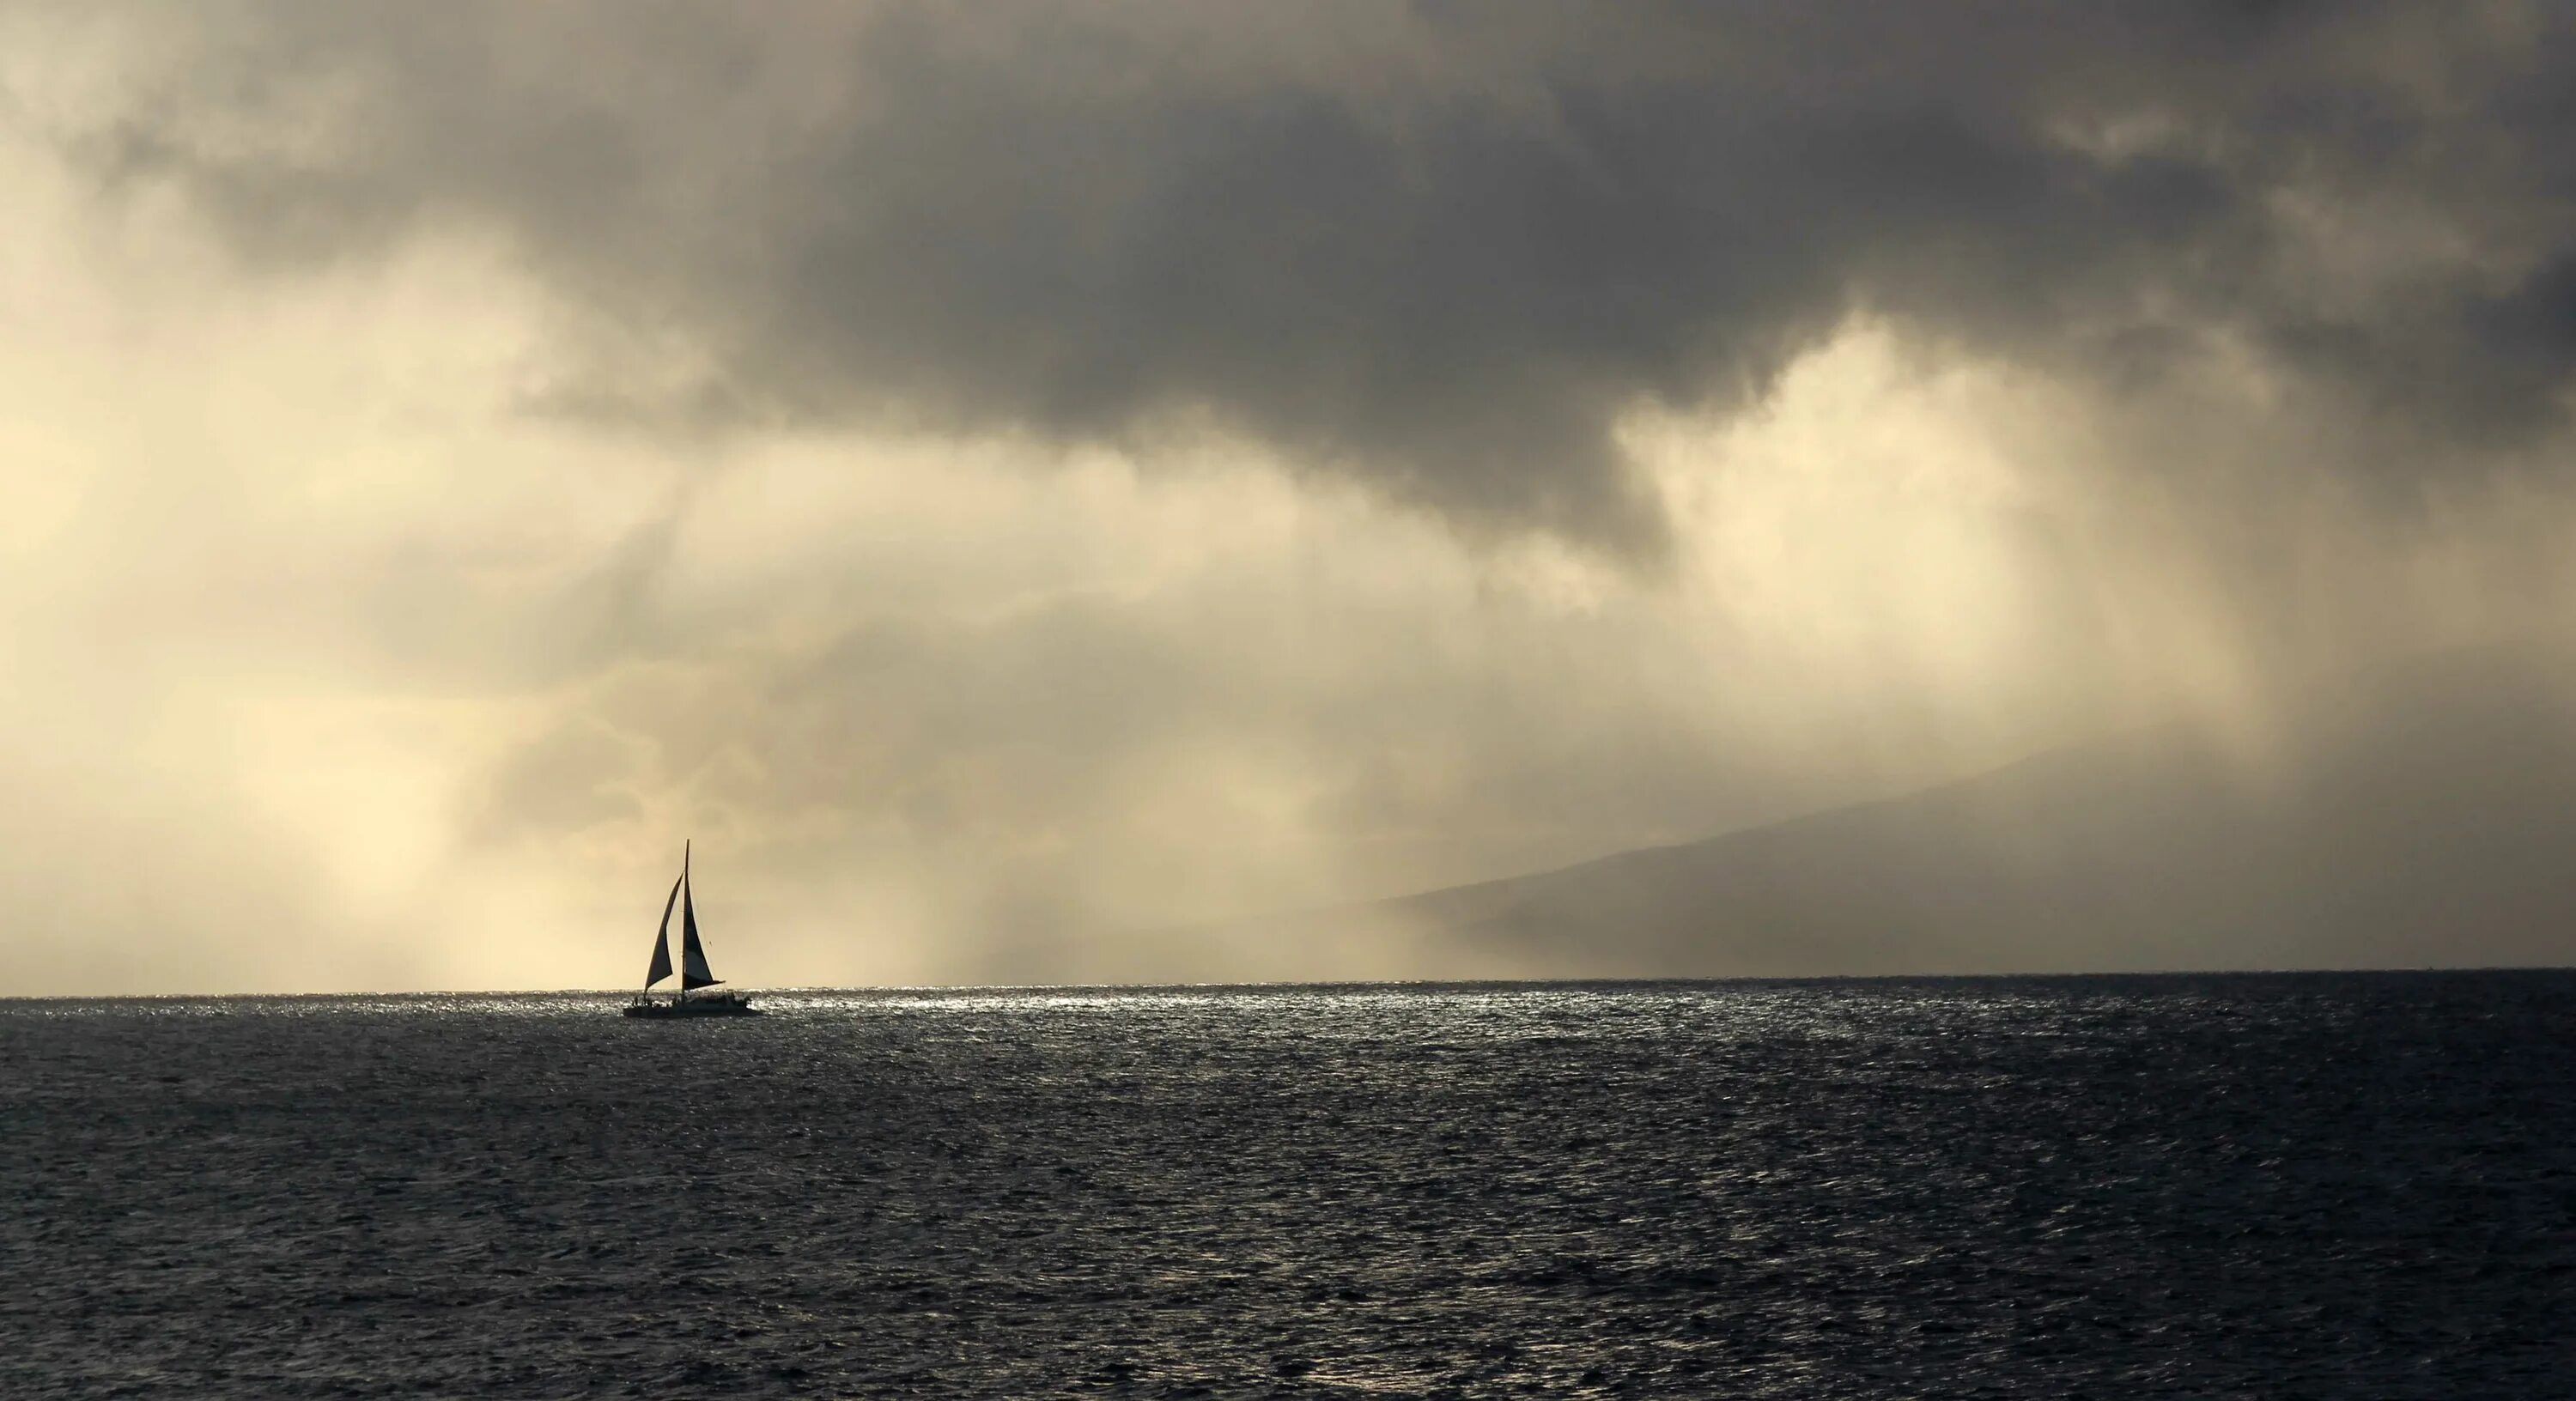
{"x":2317,"y":1185}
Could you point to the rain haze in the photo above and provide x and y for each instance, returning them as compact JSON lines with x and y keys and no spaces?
{"x":1164,"y":492}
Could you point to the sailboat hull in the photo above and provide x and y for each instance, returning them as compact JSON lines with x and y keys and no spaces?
{"x":731,"y":1005}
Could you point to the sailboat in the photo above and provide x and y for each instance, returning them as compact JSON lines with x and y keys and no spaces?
{"x":694,"y":972}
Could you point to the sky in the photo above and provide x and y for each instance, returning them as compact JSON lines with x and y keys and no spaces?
{"x":995,"y":476}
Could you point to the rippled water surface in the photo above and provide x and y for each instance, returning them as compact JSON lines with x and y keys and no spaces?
{"x":2325,"y":1186}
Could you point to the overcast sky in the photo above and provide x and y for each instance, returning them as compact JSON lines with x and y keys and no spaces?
{"x":1000,"y":474}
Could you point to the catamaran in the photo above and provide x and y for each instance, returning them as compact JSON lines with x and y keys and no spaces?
{"x":694,"y":972}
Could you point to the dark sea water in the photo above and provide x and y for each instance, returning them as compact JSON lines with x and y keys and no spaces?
{"x":2280,"y":1186}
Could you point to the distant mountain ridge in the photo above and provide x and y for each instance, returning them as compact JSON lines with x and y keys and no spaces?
{"x":2423,"y":815}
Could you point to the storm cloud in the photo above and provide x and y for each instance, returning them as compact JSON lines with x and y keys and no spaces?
{"x":1437,"y":249}
{"x":1006,"y":476}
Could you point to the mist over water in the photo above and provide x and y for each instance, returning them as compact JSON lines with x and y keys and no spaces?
{"x":2314,"y":1185}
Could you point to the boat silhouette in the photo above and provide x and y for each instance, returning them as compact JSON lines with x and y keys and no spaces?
{"x":695,"y":976}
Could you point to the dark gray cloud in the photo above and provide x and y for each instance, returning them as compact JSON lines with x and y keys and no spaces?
{"x":1437,"y":248}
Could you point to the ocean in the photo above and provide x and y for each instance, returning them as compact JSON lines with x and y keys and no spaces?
{"x":2322,"y":1185}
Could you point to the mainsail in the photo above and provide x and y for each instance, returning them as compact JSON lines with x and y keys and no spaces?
{"x":694,"y":972}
